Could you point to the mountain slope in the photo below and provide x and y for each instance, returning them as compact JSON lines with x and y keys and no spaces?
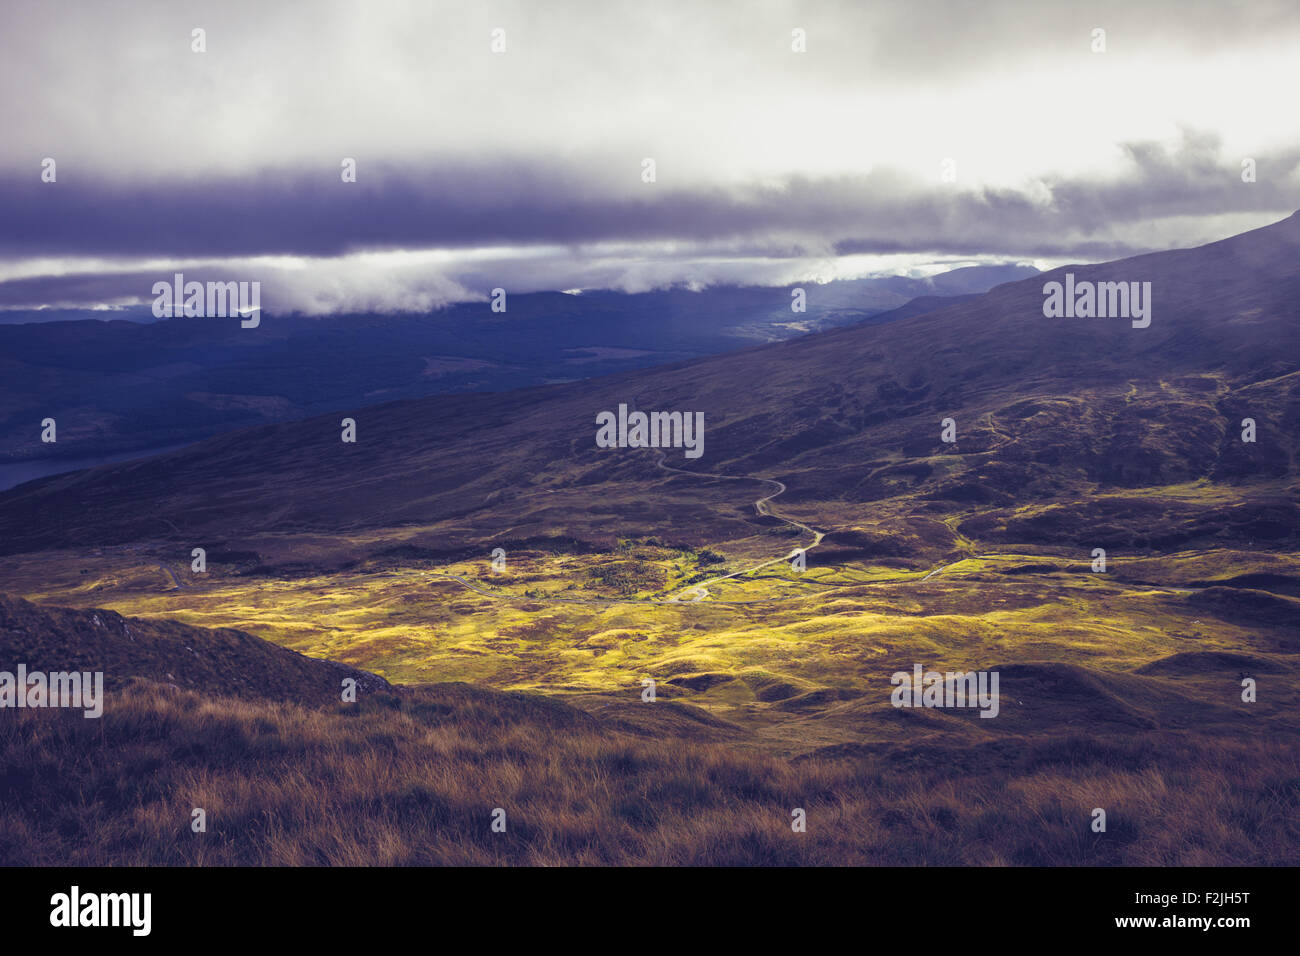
{"x":1043,"y":407}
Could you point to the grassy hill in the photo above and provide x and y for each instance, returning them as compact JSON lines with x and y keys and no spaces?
{"x":215,"y":661}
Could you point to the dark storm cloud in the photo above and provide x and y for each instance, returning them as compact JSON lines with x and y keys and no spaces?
{"x":525,"y":167}
{"x":87,"y":288}
{"x":531,"y":203}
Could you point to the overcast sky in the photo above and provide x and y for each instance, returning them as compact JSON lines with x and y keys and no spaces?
{"x":523,"y":169}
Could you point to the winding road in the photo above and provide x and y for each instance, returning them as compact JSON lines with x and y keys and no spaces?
{"x":696,"y":592}
{"x":175,"y":580}
{"x":701,"y":590}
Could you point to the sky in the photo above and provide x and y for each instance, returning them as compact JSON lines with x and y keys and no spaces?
{"x":905,"y":138}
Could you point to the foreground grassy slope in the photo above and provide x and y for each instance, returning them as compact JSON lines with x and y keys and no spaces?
{"x":414,"y":777}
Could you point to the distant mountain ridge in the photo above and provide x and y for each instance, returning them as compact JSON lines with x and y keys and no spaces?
{"x":114,"y":386}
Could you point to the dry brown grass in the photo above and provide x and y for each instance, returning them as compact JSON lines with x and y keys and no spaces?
{"x":413,"y":777}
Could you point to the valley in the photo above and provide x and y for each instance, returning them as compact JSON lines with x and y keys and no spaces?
{"x":625,"y":568}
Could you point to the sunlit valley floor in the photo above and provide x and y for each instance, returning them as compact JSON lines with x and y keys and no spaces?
{"x":795,"y":660}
